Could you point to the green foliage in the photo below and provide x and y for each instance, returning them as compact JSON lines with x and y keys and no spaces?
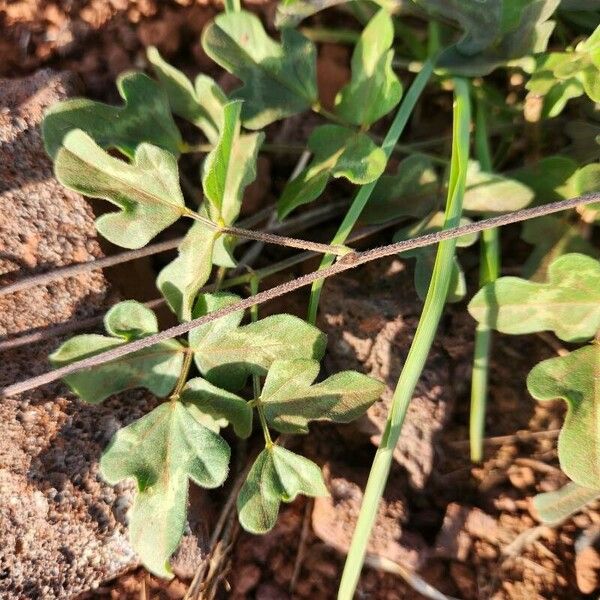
{"x":277,"y":475}
{"x":555,"y":507}
{"x":155,"y":368}
{"x":144,"y":118}
{"x":374,"y":89}
{"x":568,"y":304}
{"x":161,"y":451}
{"x":146,"y":190}
{"x":279,"y":79}
{"x":574,"y":378}
{"x":337,"y":152}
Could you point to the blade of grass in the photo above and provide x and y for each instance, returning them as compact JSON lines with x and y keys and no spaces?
{"x":420,"y":347}
{"x":489,"y":270}
{"x":363,"y":195}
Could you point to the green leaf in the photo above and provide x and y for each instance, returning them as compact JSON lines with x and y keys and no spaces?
{"x":277,"y":475}
{"x":575,"y":379}
{"x":156,"y":368}
{"x":555,"y":507}
{"x":279,"y":79}
{"x":425,"y":256}
{"x":568,"y":304}
{"x":290,"y":400}
{"x":374,"y":89}
{"x":201,"y":104}
{"x":411,"y":192}
{"x":492,"y":194}
{"x":161,"y":451}
{"x":146,"y":117}
{"x":147,"y":190}
{"x":219,"y":404}
{"x":230,"y":167}
{"x":226,"y":354}
{"x":548,"y":178}
{"x":337,"y":152}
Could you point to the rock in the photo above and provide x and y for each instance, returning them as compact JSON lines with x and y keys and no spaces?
{"x":587,"y":570}
{"x":62,"y":530}
{"x":370,"y":316}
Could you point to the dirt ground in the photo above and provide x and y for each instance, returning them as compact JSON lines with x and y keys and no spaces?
{"x":459,"y":528}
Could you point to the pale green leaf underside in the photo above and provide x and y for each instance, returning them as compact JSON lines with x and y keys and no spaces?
{"x":279,"y":79}
{"x":568,"y":304}
{"x":146,"y":117}
{"x":290,"y":400}
{"x":277,"y":475}
{"x":555,"y":507}
{"x":575,"y":378}
{"x":155,"y":368}
{"x":146,"y":190}
{"x":161,"y":451}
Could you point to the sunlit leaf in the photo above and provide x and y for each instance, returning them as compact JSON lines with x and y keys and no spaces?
{"x":574,"y":378}
{"x":374,"y":89}
{"x":147,"y":190}
{"x":290,"y":399}
{"x":201,"y":104}
{"x":226,"y":353}
{"x":568,"y":304}
{"x":155,"y":368}
{"x":279,"y":79}
{"x":337,"y":152}
{"x":555,"y":507}
{"x":161,"y":451}
{"x":277,"y":475}
{"x":146,"y":117}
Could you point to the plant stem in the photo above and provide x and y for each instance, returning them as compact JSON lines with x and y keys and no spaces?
{"x":363,"y":195}
{"x":232,"y":5}
{"x":419,"y":349}
{"x":489,"y":270}
{"x":318,"y":108}
{"x":185,"y":369}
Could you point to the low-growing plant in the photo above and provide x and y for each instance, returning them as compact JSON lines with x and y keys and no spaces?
{"x":129,"y":155}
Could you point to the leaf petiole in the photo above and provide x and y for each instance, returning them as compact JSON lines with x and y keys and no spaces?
{"x":185,"y":369}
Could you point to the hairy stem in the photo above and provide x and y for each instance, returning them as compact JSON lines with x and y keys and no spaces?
{"x":185,"y":369}
{"x":419,"y":350}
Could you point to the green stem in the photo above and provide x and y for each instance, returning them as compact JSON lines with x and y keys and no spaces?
{"x":419,"y":350}
{"x":233,"y":6}
{"x":489,"y":271}
{"x":185,"y":369}
{"x":363,"y":195}
{"x":318,"y":108}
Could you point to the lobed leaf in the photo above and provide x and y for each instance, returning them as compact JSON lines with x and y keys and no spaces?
{"x":290,"y":400}
{"x":161,"y":451}
{"x":146,"y":117}
{"x":337,"y":152}
{"x":276,"y":476}
{"x":575,"y":379}
{"x":147,"y":190}
{"x":374,"y":89}
{"x":279,"y":79}
{"x":555,"y":507}
{"x":155,"y":368}
{"x":227,"y":353}
{"x":568,"y":304}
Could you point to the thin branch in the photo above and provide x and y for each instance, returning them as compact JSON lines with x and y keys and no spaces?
{"x":350,"y":261}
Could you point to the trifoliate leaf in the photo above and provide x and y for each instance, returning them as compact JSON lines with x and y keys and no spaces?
{"x":568,"y":304}
{"x":156,"y":368}
{"x":226,"y":353}
{"x":279,"y":79}
{"x":161,"y":451}
{"x":425,"y":256}
{"x":230,"y":167}
{"x":146,"y":117}
{"x":575,"y":379}
{"x":337,"y":152}
{"x":411,"y":192}
{"x":147,"y":190}
{"x":554,"y":507}
{"x":181,"y":279}
{"x":374,"y":89}
{"x":491,"y":194}
{"x":290,"y":400}
{"x":277,"y":475}
{"x":201,"y":104}
{"x":219,"y":404}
